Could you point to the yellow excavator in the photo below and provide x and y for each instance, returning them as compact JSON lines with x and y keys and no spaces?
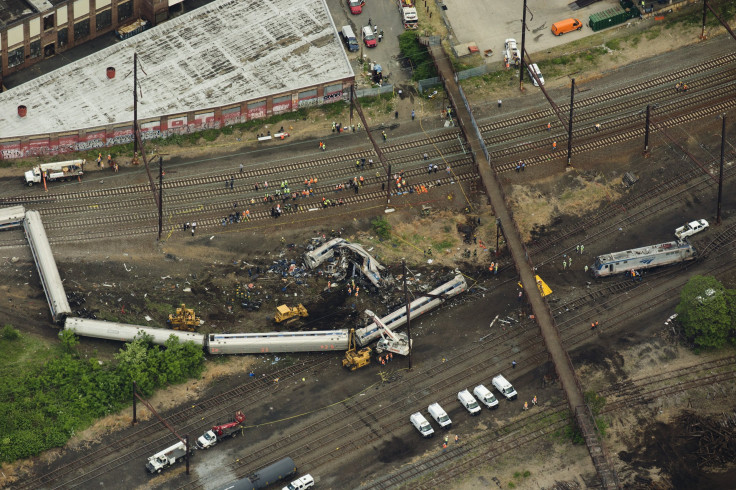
{"x":184,"y":319}
{"x":356,"y":359}
{"x":288,"y":315}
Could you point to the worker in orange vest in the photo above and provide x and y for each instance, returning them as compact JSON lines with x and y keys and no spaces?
{"x":554,"y":145}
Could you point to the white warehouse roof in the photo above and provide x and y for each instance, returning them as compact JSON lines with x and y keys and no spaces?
{"x":225,"y":52}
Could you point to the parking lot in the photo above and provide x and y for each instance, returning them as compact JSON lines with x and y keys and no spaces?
{"x":488,"y":23}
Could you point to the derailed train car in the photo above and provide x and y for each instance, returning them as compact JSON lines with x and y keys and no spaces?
{"x":46,"y":265}
{"x":11,"y":217}
{"x":269,"y":342}
{"x":643,"y":258}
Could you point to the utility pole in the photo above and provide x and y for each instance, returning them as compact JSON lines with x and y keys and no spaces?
{"x":705,"y":13}
{"x":569,"y":129}
{"x":646,"y":133}
{"x":135,"y":108}
{"x":386,"y":166}
{"x":523,"y":41}
{"x":186,"y":437}
{"x":135,"y":421}
{"x":160,"y":195}
{"x":498,"y":235}
{"x":720,"y":177}
{"x":408,"y":309}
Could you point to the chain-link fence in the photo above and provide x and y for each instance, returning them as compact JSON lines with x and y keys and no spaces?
{"x":427,"y":83}
{"x":372,"y":92}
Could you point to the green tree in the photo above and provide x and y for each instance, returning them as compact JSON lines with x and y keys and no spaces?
{"x":704,"y":311}
{"x":421,"y":61}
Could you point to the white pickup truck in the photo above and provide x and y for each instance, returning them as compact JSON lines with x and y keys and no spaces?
{"x":691,"y":228}
{"x":511,"y":53}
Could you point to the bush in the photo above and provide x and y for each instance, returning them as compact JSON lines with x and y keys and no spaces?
{"x":382,"y":228}
{"x":10,"y":333}
{"x":417,"y":54}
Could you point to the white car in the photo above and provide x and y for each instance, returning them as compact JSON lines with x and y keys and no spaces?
{"x":534,"y":68}
{"x":301,"y":484}
{"x":691,"y":228}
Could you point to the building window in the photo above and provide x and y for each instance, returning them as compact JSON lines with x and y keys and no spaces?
{"x":104,"y":20}
{"x":16,"y":57}
{"x":36,"y":48}
{"x":48,"y":22}
{"x":81,"y":29}
{"x":125,"y":10}
{"x":62,"y":37}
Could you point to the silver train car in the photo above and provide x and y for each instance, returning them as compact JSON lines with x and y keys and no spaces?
{"x":46,"y":265}
{"x":100,"y":329}
{"x":11,"y":217}
{"x":274,"y":342}
{"x":643,"y":258}
{"x":368,"y":334}
{"x":325,"y":251}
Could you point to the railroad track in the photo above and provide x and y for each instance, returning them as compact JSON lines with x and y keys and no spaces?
{"x":96,"y":459}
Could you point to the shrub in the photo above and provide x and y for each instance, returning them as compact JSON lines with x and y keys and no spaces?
{"x":382,"y":228}
{"x":10,"y":333}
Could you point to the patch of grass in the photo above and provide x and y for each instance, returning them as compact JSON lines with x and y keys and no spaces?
{"x":527,"y":474}
{"x":443,"y":245}
{"x":652,"y":33}
{"x":162,"y":309}
{"x":375,"y":100}
{"x":511,"y":485}
{"x":634,"y":40}
{"x":382,"y":228}
{"x":447,"y":228}
{"x":210,"y":134}
{"x":613,"y":44}
{"x":333,"y":110}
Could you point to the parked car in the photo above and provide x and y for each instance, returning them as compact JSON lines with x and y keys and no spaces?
{"x":349,"y":38}
{"x":421,"y":424}
{"x":301,"y":483}
{"x":534,"y":68}
{"x":369,"y":38}
{"x":691,"y":228}
{"x":356,"y":6}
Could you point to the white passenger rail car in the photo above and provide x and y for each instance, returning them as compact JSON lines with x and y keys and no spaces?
{"x":274,"y":342}
{"x":11,"y":217}
{"x":643,"y":258}
{"x":417,"y":307}
{"x":124,"y":332}
{"x":46,"y":265}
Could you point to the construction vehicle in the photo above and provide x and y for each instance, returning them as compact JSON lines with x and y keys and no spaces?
{"x":390,"y":341}
{"x":166,"y":458}
{"x":54,"y":171}
{"x":284,"y":313}
{"x":356,"y":359}
{"x":183,"y":319}
{"x":222,"y":431}
{"x":408,"y":14}
{"x":511,"y":53}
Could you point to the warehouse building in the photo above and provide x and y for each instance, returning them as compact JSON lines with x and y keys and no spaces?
{"x":227,"y":62}
{"x":31,"y":30}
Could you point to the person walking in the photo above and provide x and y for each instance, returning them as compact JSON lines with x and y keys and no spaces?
{"x":582,"y":248}
{"x":569,"y":261}
{"x":526,"y":406}
{"x":412,"y":114}
{"x":577,"y":248}
{"x":586,"y":267}
{"x":383,"y":133}
{"x":564,"y":264}
{"x":513,"y":364}
{"x":241,"y":168}
{"x":521,"y":296}
{"x":534,"y":400}
{"x":523,"y":166}
{"x":554,"y":145}
{"x":549,"y":126}
{"x":457,"y":438}
{"x":194,"y":227}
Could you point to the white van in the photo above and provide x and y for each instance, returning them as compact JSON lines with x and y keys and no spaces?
{"x":439,"y":415}
{"x":304,"y":482}
{"x":485,"y":396}
{"x":421,"y":424}
{"x":470,"y":403}
{"x":348,"y":36}
{"x":504,"y":387}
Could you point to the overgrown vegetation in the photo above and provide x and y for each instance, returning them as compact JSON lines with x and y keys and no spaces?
{"x":47,"y":394}
{"x":421,"y":62}
{"x":706,"y":312}
{"x":382,"y":228}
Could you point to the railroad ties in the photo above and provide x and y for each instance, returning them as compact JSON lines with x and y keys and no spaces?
{"x":550,"y":333}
